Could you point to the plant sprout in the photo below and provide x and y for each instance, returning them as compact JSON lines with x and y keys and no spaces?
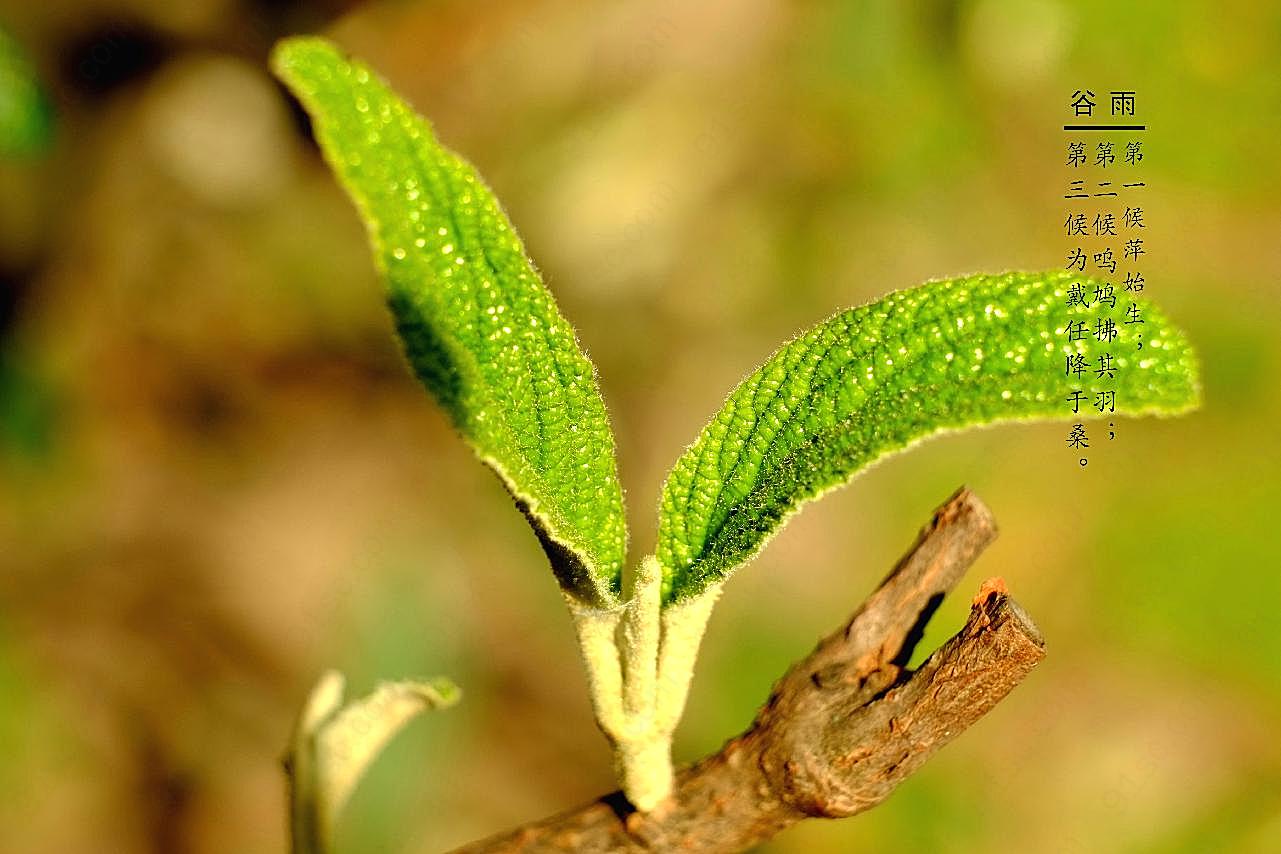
{"x":488,"y":341}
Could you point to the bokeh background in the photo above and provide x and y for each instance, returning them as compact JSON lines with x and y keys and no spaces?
{"x":217,"y":478}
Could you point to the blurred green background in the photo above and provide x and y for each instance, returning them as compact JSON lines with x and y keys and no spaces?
{"x":217,"y":477}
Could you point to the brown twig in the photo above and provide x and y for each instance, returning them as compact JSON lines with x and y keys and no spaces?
{"x":844,"y":726}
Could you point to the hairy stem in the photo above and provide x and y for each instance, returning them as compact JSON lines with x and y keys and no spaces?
{"x":596,"y":630}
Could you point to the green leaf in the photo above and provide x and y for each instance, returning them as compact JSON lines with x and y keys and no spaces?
{"x":480,"y":329}
{"x":25,"y":115}
{"x":871,"y":380}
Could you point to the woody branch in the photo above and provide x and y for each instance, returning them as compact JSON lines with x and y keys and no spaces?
{"x":844,"y":726}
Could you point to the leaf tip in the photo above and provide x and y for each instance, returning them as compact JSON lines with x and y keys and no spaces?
{"x":290,"y":50}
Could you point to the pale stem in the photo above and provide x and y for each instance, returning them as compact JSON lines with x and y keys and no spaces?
{"x":640,"y":640}
{"x":683,"y":625}
{"x":595,"y":629}
{"x":640,"y":660}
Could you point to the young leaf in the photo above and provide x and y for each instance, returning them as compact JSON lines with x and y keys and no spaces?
{"x":481,"y":330}
{"x":335,"y":742}
{"x":872,"y":380}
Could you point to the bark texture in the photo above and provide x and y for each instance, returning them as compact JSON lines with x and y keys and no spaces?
{"x":844,"y":726}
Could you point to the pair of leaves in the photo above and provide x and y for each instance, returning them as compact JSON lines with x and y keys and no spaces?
{"x":485,"y":336}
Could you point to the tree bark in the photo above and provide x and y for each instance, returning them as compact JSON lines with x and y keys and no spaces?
{"x":844,"y":726}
